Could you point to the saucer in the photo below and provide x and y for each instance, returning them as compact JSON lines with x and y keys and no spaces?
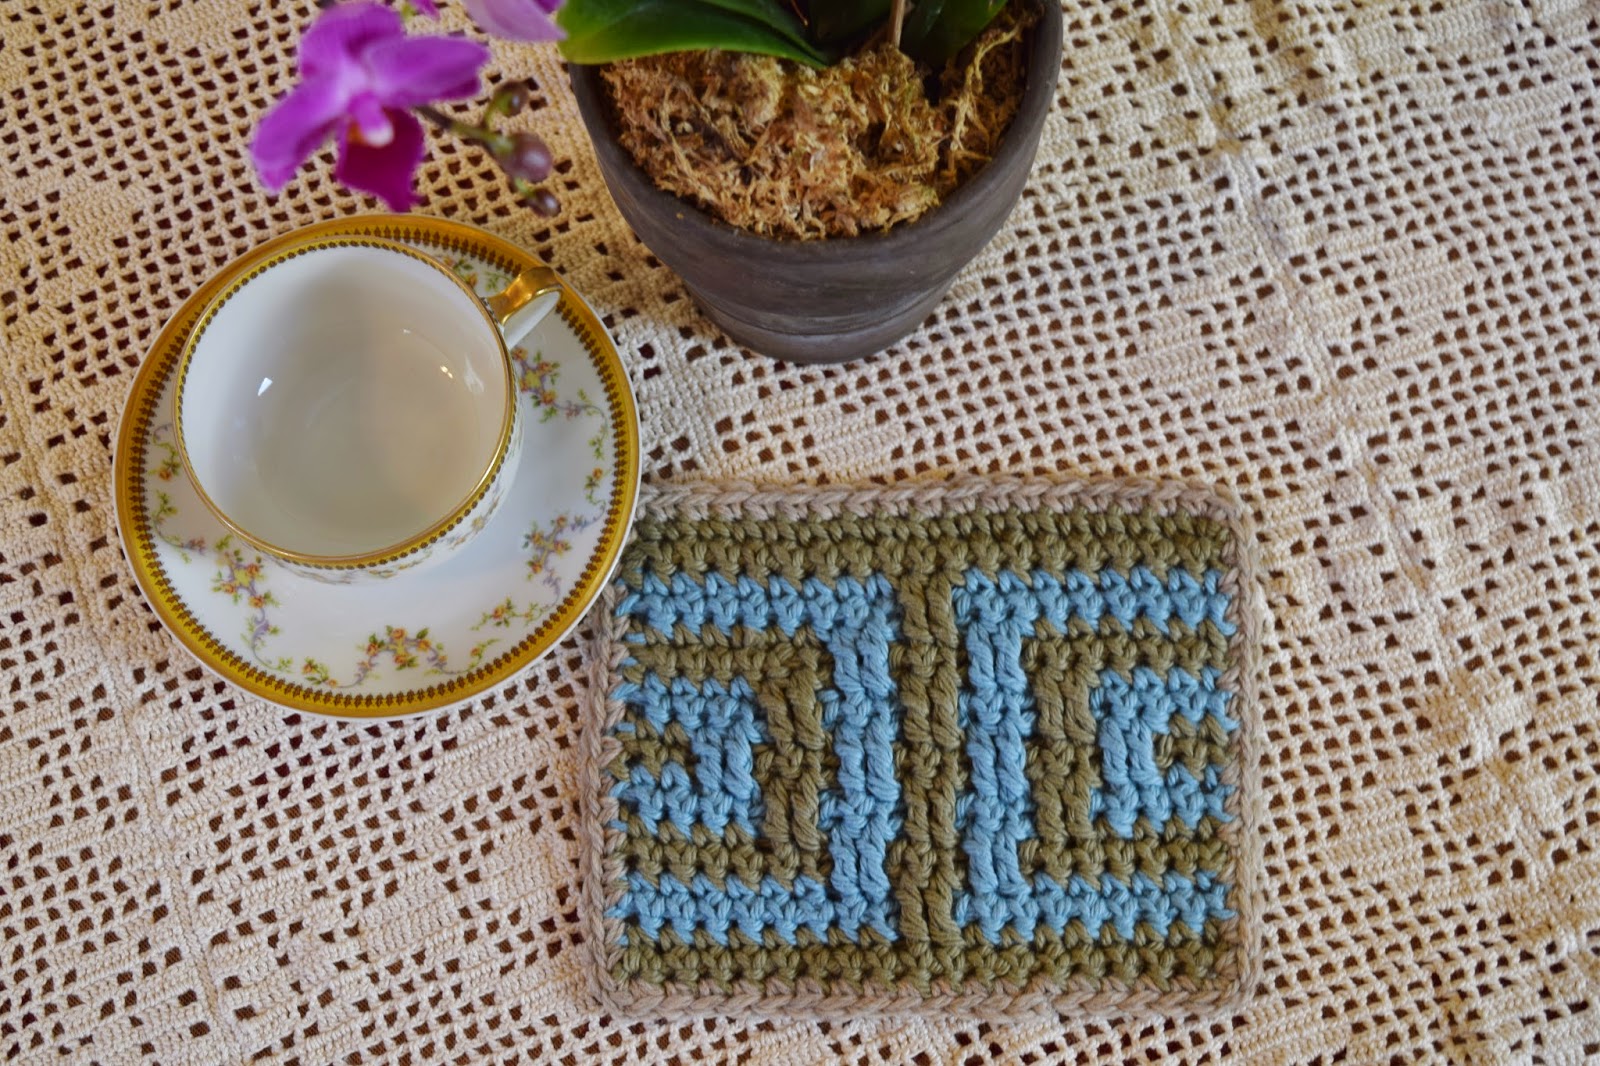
{"x":422,"y":639}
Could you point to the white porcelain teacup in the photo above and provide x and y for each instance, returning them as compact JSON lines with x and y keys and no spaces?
{"x":348,"y":405}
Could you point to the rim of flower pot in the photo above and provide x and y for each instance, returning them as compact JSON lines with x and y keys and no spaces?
{"x":1021,"y":139}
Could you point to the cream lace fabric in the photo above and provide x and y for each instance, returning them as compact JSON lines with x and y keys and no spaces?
{"x":1341,"y":257}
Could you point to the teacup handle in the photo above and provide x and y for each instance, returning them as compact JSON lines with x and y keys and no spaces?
{"x":523,"y":304}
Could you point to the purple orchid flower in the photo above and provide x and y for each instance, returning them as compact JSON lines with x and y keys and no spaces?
{"x":359,"y":76}
{"x":516,"y":20}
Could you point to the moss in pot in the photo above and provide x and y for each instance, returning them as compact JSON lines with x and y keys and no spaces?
{"x":852,"y":292}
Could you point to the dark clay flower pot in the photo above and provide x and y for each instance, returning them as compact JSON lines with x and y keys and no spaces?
{"x":830,"y":300}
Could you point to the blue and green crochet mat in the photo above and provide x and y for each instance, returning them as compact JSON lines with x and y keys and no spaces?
{"x":981,"y":746}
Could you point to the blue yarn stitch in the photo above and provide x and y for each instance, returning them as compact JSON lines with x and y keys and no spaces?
{"x":857,"y":622}
{"x":995,"y":709}
{"x":701,"y":905}
{"x":1130,"y":714}
{"x":1122,"y":905}
{"x":1091,"y":597}
{"x":722,"y":725}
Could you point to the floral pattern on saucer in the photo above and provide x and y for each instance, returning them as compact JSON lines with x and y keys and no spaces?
{"x":418,"y":639}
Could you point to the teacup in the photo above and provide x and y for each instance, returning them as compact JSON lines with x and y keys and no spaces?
{"x":348,"y":406}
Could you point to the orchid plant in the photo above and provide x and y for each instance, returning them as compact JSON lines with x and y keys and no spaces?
{"x":367,"y":84}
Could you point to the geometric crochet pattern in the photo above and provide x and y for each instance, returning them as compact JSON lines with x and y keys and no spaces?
{"x":982,"y":746}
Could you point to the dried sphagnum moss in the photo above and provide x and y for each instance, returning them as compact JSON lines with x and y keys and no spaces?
{"x":785,"y":151}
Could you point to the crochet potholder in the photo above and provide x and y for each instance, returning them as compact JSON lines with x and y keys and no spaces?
{"x":979,"y":746}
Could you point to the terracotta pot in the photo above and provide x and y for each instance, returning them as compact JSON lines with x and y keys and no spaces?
{"x":837,"y":299}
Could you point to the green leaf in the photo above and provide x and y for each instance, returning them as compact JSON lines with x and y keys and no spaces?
{"x":600,"y":31}
{"x":937,"y":29}
{"x":835,"y":21}
{"x":769,"y":13}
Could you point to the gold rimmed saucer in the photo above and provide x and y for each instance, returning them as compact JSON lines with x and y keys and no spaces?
{"x":419,"y":640}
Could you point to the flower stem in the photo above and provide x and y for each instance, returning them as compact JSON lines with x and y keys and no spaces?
{"x":494,"y":142}
{"x":508,"y":152}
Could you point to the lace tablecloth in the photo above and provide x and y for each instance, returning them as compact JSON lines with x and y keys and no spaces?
{"x":1341,"y":257}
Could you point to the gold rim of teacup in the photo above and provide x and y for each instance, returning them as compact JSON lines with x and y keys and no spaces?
{"x":412,"y":544}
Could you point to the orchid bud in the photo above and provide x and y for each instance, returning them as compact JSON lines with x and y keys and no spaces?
{"x":526,"y":156}
{"x":511,"y":99}
{"x":543,"y":201}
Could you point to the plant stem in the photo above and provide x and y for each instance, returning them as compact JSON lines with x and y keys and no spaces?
{"x":499,"y":147}
{"x":897,"y":18}
{"x":494,"y":142}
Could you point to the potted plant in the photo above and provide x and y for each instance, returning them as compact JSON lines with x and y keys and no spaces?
{"x":840,"y":297}
{"x":369,"y":85}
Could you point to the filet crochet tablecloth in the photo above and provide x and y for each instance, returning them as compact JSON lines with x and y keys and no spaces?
{"x":1342,"y":257}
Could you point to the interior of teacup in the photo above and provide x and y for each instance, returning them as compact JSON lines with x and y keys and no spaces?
{"x":344,"y":400}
